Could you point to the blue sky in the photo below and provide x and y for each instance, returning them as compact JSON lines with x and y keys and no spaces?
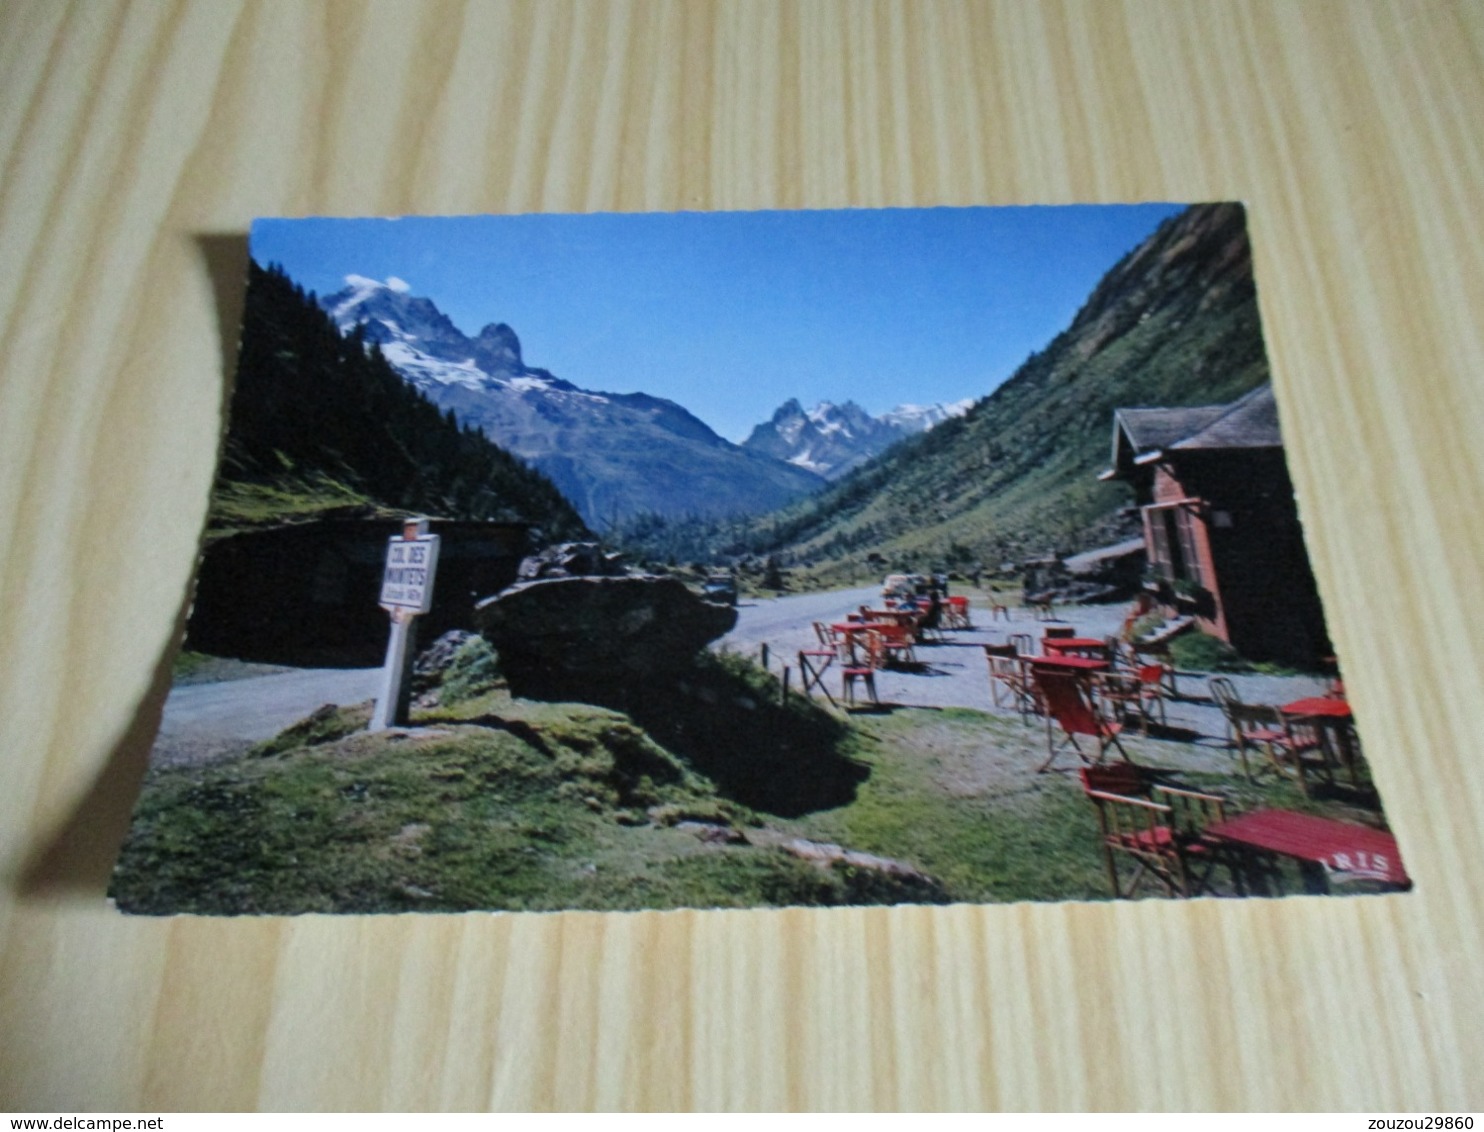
{"x":732,"y":313}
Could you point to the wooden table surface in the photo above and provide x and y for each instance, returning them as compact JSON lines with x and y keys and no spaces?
{"x":138,"y":140}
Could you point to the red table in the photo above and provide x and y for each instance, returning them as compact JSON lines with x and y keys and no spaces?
{"x":1330,"y":707}
{"x":1072,"y":663}
{"x":1083,"y":667}
{"x":862,"y":626}
{"x":1334,"y":715}
{"x":1356,"y":851}
{"x":1059,"y":646}
{"x":893,"y":616}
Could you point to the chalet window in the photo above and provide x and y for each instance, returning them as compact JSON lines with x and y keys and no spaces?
{"x":1174,"y":550}
{"x":1185,"y":521}
{"x":1159,"y":544}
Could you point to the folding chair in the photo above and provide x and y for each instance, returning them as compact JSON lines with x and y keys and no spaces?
{"x":1122,"y":694}
{"x":1164,"y":835}
{"x":1224,"y":693}
{"x":998,"y":686}
{"x":1293,"y":746}
{"x":896,"y":644}
{"x":1069,"y":705}
{"x":854,"y":670}
{"x":813,"y":663}
{"x":1008,"y":680}
{"x":1151,"y":679}
{"x":1151,"y":654}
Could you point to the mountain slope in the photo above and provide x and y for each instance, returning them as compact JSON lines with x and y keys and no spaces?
{"x":1174,"y":323}
{"x":320,"y":425}
{"x":831,"y":440}
{"x":613,"y":455}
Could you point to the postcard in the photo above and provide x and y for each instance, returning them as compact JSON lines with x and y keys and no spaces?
{"x":732,"y":560}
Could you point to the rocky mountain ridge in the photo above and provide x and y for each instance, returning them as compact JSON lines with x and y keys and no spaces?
{"x":613,"y":455}
{"x":321,"y":428}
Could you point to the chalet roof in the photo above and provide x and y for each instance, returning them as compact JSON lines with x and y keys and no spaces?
{"x":1090,"y":560}
{"x":1141,"y":435}
{"x":1248,"y":422}
{"x":1148,"y":429}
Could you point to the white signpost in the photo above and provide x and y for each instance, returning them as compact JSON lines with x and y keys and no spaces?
{"x":406,"y":592}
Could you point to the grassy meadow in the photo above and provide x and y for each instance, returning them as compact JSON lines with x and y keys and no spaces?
{"x":494,"y":802}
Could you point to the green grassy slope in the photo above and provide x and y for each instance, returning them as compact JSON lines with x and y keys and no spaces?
{"x":320,"y":426}
{"x":1174,"y":323}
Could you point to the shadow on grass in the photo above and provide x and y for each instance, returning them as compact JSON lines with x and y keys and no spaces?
{"x":723,"y":715}
{"x":1360,"y":796}
{"x":1169,"y":732}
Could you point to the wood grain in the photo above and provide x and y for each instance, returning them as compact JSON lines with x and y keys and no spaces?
{"x":132,"y":135}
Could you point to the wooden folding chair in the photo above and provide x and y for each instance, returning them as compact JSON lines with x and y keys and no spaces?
{"x":1008,"y":681}
{"x":1224,"y":693}
{"x":896,"y":644}
{"x":1293,"y":746}
{"x":854,"y":670}
{"x":813,"y":663}
{"x":1157,"y":654}
{"x":1151,"y":692}
{"x":1122,"y":694}
{"x":999,"y":687}
{"x":1164,"y":836}
{"x":1069,"y":705}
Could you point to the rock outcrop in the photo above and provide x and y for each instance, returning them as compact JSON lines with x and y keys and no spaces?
{"x":559,"y":633}
{"x":570,"y":560}
{"x":432,"y":663}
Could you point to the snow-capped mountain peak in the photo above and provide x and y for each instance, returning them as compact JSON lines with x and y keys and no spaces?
{"x":424,"y":344}
{"x":831,"y":439}
{"x":610,"y":454}
{"x":920,"y":418}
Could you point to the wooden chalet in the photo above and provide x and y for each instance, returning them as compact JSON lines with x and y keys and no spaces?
{"x":306,"y":594}
{"x":1221,"y":527}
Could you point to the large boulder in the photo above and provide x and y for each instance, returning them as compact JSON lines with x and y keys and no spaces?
{"x":560,"y":634}
{"x":570,"y":560}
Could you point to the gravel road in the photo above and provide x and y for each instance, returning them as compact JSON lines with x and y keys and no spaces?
{"x":206,"y":721}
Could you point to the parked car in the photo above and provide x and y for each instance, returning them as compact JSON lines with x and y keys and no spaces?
{"x":720,"y":588}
